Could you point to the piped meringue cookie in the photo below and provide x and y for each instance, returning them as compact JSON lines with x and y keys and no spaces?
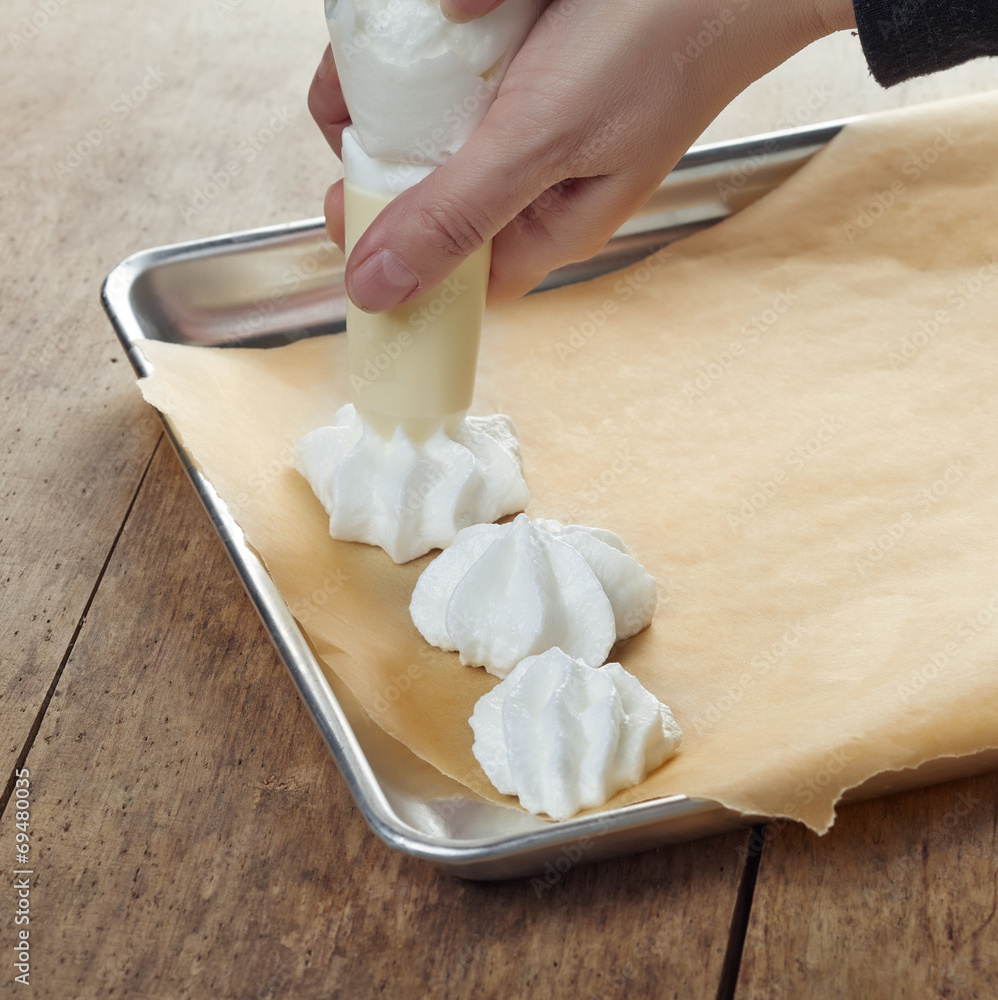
{"x":502,"y":592}
{"x":406,"y":496}
{"x":563,"y":736}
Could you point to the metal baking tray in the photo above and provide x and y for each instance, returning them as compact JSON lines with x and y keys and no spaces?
{"x":273,"y":286}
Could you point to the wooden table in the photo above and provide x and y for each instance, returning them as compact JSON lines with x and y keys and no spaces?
{"x":190,"y":836}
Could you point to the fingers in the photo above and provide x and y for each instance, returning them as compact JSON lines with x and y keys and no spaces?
{"x":462,"y":11}
{"x":569,"y":222}
{"x":326,"y":104}
{"x":333,"y":209}
{"x":429,"y":229}
{"x":327,"y":107}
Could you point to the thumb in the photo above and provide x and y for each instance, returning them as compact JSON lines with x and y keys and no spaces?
{"x":462,"y":11}
{"x":428,"y":230}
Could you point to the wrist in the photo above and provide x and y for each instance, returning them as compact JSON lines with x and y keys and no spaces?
{"x":835,"y":15}
{"x":753,"y":37}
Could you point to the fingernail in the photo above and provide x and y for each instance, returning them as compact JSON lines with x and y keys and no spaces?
{"x":381,"y":282}
{"x":453,"y":14}
{"x":327,"y":61}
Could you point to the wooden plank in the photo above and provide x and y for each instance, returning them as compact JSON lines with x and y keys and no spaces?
{"x":192,"y":837}
{"x":75,"y":442}
{"x":94,"y":166}
{"x":898,"y":900}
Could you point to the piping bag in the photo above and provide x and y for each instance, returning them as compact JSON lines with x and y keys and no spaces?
{"x":416,"y":85}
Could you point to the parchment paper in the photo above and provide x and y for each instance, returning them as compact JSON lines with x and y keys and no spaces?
{"x":791,"y":421}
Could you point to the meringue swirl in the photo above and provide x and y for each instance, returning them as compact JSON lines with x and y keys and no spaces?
{"x":500,"y":593}
{"x":406,"y":496}
{"x":563,"y":736}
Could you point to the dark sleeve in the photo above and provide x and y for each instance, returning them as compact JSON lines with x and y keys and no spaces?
{"x":906,"y":38}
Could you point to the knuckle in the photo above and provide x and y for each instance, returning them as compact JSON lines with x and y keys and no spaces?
{"x":594,"y":149}
{"x":540,"y":126}
{"x":576,"y":246}
{"x":588,"y":245}
{"x":556,"y":221}
{"x":450,"y":231}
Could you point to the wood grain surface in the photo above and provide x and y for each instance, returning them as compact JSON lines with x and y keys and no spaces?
{"x":898,"y":900}
{"x":191,"y":837}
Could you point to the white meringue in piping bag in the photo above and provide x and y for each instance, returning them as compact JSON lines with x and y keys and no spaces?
{"x":563,"y":736}
{"x":417,"y":85}
{"x":410,"y":497}
{"x":500,"y":593}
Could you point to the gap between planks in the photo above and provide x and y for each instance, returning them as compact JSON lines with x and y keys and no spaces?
{"x":740,"y":916}
{"x":43,"y":708}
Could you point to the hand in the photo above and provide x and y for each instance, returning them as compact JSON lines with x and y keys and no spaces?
{"x":467,"y":10}
{"x":596,"y":108}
